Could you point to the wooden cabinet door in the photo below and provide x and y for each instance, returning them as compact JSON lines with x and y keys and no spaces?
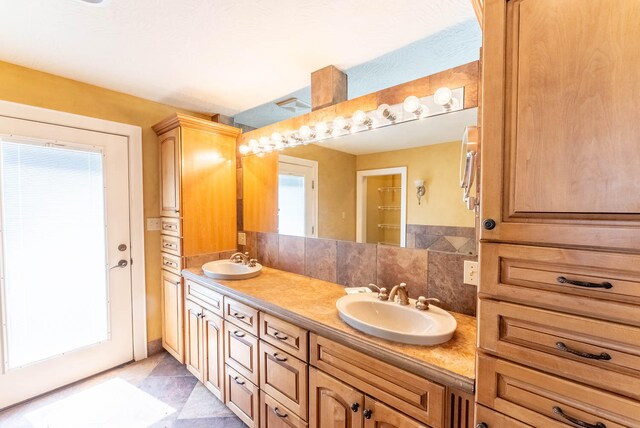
{"x":377,"y":415}
{"x":170,"y":173}
{"x":332,"y":404}
{"x":213,"y":353}
{"x":560,"y":125}
{"x":172,"y":338}
{"x":193,"y":339}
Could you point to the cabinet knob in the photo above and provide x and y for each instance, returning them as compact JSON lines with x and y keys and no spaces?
{"x":482,"y":425}
{"x":367,"y":413}
{"x":489,"y":224}
{"x":355,"y":407}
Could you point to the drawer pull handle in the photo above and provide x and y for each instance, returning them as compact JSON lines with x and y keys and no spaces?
{"x":603,"y":356}
{"x":278,"y":413}
{"x":563,"y":280}
{"x":238,"y":316}
{"x":558,"y":411}
{"x":238,"y":334}
{"x":279,"y":358}
{"x":280,"y":336}
{"x":238,"y":381}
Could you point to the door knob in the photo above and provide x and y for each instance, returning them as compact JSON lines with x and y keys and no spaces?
{"x":367,"y":413}
{"x":122,"y":247}
{"x":355,"y":407}
{"x":489,"y":224}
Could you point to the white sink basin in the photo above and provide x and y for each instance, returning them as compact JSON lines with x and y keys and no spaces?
{"x":226,"y":269}
{"x":391,"y":321}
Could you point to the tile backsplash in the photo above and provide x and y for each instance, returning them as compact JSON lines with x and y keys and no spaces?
{"x":461,"y":240}
{"x":428,"y":272}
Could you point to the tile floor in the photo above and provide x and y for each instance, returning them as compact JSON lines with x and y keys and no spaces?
{"x":157,"y":392}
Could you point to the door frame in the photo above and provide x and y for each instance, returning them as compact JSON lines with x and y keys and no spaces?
{"x":361,"y":200}
{"x":136,"y":208}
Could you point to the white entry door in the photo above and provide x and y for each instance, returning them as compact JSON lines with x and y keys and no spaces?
{"x":65,"y":290}
{"x":297,"y":197}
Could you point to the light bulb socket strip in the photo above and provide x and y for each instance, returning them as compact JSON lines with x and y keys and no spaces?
{"x":444,"y":100}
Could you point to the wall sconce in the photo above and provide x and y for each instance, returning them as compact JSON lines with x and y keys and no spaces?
{"x":420,"y":189}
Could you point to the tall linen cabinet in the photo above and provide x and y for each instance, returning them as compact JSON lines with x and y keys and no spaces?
{"x":559,"y":308}
{"x":198,"y":207}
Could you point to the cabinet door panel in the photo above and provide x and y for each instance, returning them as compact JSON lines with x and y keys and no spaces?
{"x":213,"y":357}
{"x":170,"y":173}
{"x":241,"y":351}
{"x":172,"y":339}
{"x":559,"y":118}
{"x":242,"y":397}
{"x":193,"y":339}
{"x":382,"y":416}
{"x":274,"y":415}
{"x":331,"y":402}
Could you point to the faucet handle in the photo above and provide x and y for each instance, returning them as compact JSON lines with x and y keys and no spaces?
{"x":382,"y":292}
{"x":423,"y":303}
{"x":253,"y":262}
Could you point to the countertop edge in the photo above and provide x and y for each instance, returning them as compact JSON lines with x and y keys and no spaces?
{"x":420,"y":368}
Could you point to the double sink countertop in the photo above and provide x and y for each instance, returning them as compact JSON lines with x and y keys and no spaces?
{"x":311,"y":303}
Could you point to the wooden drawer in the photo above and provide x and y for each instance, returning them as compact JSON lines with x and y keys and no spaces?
{"x":241,"y":315}
{"x":285,"y":378}
{"x":170,"y":226}
{"x":170,"y":244}
{"x":541,"y":400}
{"x":242,"y":397}
{"x":241,"y":351}
{"x":171,"y":263}
{"x":411,"y":394}
{"x":492,"y":419}
{"x":538,"y":276}
{"x":204,"y":296}
{"x":599,"y":353}
{"x":286,"y":336}
{"x":274,"y":415}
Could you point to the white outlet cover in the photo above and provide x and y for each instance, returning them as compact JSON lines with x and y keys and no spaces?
{"x":471,"y":274}
{"x":153,"y":224}
{"x":242,"y":238}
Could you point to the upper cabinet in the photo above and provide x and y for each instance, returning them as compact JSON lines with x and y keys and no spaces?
{"x":198,"y":182}
{"x":560,"y":129}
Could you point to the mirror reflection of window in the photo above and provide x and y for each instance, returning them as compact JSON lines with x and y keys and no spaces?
{"x":297,"y":196}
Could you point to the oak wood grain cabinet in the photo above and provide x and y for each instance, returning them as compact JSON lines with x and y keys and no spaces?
{"x":559,"y":310}
{"x":333,"y":403}
{"x":242,"y":397}
{"x":204,"y":347}
{"x":197,"y":201}
{"x":275,"y":415}
{"x":172,"y":328}
{"x":560,"y":123}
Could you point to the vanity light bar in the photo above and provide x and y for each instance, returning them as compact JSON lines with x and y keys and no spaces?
{"x":444,"y":100}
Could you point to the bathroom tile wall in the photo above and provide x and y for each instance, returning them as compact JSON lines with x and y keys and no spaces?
{"x":427,"y":272}
{"x":461,"y":240}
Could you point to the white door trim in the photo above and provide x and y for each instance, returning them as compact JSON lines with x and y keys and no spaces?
{"x":361,"y":203}
{"x":136,"y":219}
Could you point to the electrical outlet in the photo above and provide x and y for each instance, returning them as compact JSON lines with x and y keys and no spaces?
{"x":471,"y":272}
{"x":242,"y":238}
{"x":153,"y":224}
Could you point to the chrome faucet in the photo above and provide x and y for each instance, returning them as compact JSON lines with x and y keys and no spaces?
{"x":240,"y":258}
{"x":401,"y":291}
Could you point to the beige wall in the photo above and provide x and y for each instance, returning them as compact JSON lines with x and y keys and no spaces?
{"x":438,"y":165}
{"x":336,"y":190}
{"x":26,"y":86}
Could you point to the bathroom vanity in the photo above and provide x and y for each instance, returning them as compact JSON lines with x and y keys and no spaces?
{"x":274,"y":349}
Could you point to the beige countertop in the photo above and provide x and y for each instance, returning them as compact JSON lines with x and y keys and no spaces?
{"x":310,"y":303}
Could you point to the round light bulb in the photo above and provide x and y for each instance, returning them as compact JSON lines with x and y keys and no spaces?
{"x":264,"y":142}
{"x":253,"y":143}
{"x":305,"y":132}
{"x":280,"y":145}
{"x":260,"y":154}
{"x":384,"y":112}
{"x":361,"y":118}
{"x":321,"y":128}
{"x":411,"y":104}
{"x":443,"y":96}
{"x":276,"y":138}
{"x":244,"y":149}
{"x":340,"y":123}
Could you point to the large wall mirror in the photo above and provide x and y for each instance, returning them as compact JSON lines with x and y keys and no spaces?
{"x":364,"y":187}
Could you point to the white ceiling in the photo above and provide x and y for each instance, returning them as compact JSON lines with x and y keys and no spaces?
{"x":212,"y":55}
